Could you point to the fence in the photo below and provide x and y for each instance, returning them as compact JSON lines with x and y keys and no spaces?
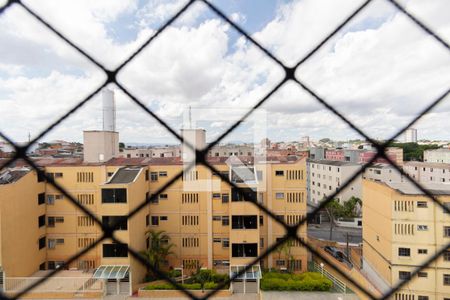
{"x":338,"y":285}
{"x":289,"y":76}
{"x":54,"y":284}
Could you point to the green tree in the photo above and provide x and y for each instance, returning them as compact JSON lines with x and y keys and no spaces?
{"x":413,"y":151}
{"x":285,"y":248}
{"x":159,"y":248}
{"x":335,"y":210}
{"x":121,"y":145}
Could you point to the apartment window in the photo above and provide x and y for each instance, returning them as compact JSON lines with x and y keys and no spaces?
{"x":217,"y":240}
{"x":261,"y":220}
{"x":85,"y":242}
{"x":154,"y":221}
{"x":280,"y":217}
{"x":163,"y":197}
{"x":446,"y":231}
{"x":280,"y":262}
{"x":403,"y":275}
{"x":162,"y":174}
{"x":244,"y":250}
{"x":225,"y":242}
{"x":422,"y":274}
{"x":120,"y":221}
{"x":154,"y":199}
{"x":190,"y":242}
{"x":53,"y":242}
{"x":85,"y":221}
{"x":163,"y":218}
{"x":41,"y":221}
{"x":115,"y":250}
{"x":404,"y":252}
{"x":244,"y":194}
{"x":279,"y":173}
{"x":52,"y":265}
{"x":51,"y":199}
{"x":225,"y":220}
{"x":189,"y":198}
{"x":446,"y":279}
{"x":422,"y":251}
{"x":114,"y":195}
{"x":42,"y":242}
{"x":154,"y":176}
{"x":225,"y":198}
{"x":41,"y":198}
{"x":244,"y":222}
{"x":191,"y":264}
{"x":40,"y":176}
{"x":85,"y":176}
{"x":279,"y":195}
{"x":216,"y":195}
{"x":420,"y":297}
{"x":147,"y":220}
{"x":216,"y":218}
{"x":51,"y":221}
{"x":446,"y":255}
{"x":85,"y":199}
{"x":261,"y":242}
{"x":422,"y":227}
{"x":422,"y":204}
{"x":191,"y":220}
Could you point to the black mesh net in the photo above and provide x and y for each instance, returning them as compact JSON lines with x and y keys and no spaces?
{"x":289,"y":76}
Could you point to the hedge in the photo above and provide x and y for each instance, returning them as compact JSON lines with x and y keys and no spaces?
{"x":187,"y":286}
{"x":308,"y":281}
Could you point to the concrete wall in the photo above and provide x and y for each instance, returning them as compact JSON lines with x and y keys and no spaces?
{"x":100,"y":146}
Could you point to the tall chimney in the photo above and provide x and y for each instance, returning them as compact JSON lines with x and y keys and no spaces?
{"x":109,"y":110}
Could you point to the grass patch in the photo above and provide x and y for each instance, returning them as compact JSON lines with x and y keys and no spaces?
{"x":308,"y":281}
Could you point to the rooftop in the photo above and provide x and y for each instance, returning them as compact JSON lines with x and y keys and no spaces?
{"x":145,"y":161}
{"x":333,"y":162}
{"x":409,"y":188}
{"x":426,"y":164}
{"x":12,"y":175}
{"x":125,"y":175}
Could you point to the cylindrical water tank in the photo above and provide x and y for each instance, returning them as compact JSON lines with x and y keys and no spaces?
{"x":109,"y":110}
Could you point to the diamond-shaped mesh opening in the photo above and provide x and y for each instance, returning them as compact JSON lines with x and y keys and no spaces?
{"x":108,"y":229}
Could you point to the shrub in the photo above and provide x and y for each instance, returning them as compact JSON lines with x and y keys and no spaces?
{"x":187,"y":286}
{"x":274,"y":281}
{"x":174,"y":273}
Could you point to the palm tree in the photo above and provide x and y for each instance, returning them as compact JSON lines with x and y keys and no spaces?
{"x":159,"y":247}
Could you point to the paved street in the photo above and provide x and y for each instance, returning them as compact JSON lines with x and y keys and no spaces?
{"x":322,"y":231}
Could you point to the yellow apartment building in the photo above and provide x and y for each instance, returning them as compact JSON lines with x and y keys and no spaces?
{"x":402,"y":228}
{"x":209,"y":222}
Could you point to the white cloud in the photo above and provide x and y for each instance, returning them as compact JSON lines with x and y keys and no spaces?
{"x":380,"y":70}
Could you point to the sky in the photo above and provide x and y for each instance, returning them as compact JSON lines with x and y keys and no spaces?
{"x":380,"y":70}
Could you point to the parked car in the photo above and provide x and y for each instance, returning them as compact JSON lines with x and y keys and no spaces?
{"x":339,"y":255}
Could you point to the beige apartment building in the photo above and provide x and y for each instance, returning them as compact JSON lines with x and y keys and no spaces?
{"x":401,"y":229}
{"x":210,"y":223}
